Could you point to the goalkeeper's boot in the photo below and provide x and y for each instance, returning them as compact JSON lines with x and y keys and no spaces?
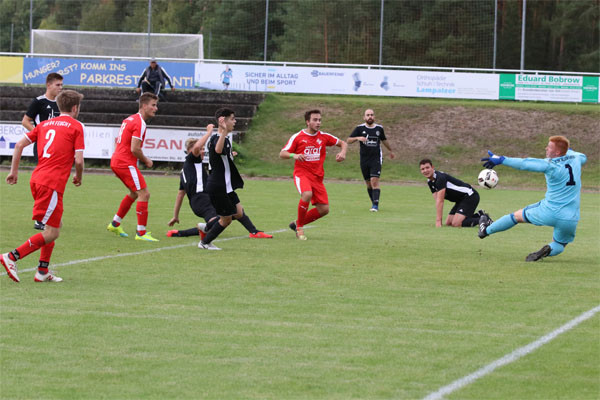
{"x":538,"y":255}
{"x":46,"y":277}
{"x":117,"y":230}
{"x":484,"y":222}
{"x":292,"y":226}
{"x":10,"y":266}
{"x":39,"y":225}
{"x":146,"y":237}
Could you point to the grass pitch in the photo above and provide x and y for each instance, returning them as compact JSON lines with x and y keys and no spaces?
{"x":371,"y":306}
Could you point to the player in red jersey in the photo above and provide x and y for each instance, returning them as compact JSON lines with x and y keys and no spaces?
{"x":308,"y":149}
{"x":60,"y":140}
{"x":124,"y":164}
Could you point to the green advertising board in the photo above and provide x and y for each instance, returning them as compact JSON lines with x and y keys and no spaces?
{"x":568,"y":88}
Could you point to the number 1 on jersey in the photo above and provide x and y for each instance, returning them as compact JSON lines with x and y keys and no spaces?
{"x":571,"y":181}
{"x":50,"y":137}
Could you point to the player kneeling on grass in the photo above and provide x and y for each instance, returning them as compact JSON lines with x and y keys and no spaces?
{"x":60,"y":140}
{"x":192,"y":182}
{"x":445,"y":186}
{"x":560,"y":207}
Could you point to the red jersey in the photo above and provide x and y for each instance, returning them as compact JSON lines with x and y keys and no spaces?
{"x":133,"y":126}
{"x":314,"y":149}
{"x":58,"y":139}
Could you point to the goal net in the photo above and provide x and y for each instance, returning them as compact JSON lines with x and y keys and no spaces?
{"x":117,"y":44}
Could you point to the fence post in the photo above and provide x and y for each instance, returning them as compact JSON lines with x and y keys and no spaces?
{"x":381,"y":34}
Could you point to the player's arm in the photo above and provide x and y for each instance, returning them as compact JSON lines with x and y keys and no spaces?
{"x":27,"y":122}
{"x":387,"y":145}
{"x":199,"y":145}
{"x":177,"y":207}
{"x":341,"y":156}
{"x":13,"y":175}
{"x":525,"y":164}
{"x":355,"y":136}
{"x":439,"y":206}
{"x":136,"y":150}
{"x":220,"y":143}
{"x":79,"y":162}
{"x":582,"y":156}
{"x":286,"y":154}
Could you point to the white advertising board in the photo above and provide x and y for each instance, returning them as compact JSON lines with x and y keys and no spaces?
{"x":370,"y":82}
{"x":161,"y":144}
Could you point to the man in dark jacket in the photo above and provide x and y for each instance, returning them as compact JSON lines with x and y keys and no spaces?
{"x":153,"y":80}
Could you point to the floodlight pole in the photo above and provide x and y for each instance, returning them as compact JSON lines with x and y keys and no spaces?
{"x":266,"y":28}
{"x":495,"y":32}
{"x":523,"y":36}
{"x":381,"y":34}
{"x":149,"y":25}
{"x":31,"y":26}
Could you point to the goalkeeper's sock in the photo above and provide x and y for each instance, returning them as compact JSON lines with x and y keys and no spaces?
{"x":502,"y":224}
{"x":557,"y":248}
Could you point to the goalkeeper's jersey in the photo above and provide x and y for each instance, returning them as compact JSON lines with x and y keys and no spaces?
{"x":563,"y":181}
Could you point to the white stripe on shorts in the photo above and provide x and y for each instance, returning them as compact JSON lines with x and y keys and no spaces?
{"x":134,"y":176}
{"x":51,"y":207}
{"x":297,"y":183}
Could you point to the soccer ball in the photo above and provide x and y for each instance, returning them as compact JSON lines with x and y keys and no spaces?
{"x":488,"y":178}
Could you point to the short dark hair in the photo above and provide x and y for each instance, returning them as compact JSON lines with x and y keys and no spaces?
{"x":425,"y":161}
{"x":223,"y":112}
{"x":53,"y":76}
{"x":309,"y":113}
{"x":66,"y":99}
{"x":147,"y":97}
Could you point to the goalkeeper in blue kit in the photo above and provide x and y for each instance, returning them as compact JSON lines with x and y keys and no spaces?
{"x":560,"y":206}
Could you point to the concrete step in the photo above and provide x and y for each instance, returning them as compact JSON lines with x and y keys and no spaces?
{"x":130,"y":107}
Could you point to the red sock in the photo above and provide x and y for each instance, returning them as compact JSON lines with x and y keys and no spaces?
{"x":31,"y":245}
{"x":142,"y":217}
{"x":302,"y":209}
{"x":46,"y":252}
{"x":123,"y":208}
{"x":311,"y":216}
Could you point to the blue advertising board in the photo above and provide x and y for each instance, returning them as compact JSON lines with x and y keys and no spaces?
{"x":103,"y":73}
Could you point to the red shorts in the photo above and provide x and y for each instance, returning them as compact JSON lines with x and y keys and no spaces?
{"x":47,"y":205}
{"x":131,"y":177}
{"x":311,"y":184}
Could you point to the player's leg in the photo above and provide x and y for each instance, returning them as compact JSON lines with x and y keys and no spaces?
{"x":564,"y":233}
{"x":465,"y":214}
{"x":225,"y":206}
{"x":488,"y":227}
{"x":247,"y":223}
{"x":304,"y":187}
{"x":43,"y":273}
{"x":375,"y":172}
{"x":133,"y":181}
{"x":451,"y":214}
{"x":320,"y":200}
{"x":141,"y":210}
{"x":366,"y":173}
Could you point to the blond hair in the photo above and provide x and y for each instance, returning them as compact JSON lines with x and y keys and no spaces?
{"x":190,"y":143}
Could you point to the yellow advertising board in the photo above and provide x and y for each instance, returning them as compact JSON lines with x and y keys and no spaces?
{"x":11,"y":69}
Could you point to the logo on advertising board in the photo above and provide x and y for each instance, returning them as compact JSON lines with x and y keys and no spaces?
{"x":315,"y":73}
{"x":507,"y":87}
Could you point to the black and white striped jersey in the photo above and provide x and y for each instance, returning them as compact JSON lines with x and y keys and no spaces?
{"x":456,"y":190}
{"x":224,"y":176}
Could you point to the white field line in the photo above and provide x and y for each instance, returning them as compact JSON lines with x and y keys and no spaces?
{"x":86,"y":260}
{"x":509,"y":358}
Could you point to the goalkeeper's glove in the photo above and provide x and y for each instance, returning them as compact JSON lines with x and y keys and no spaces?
{"x":492,"y":160}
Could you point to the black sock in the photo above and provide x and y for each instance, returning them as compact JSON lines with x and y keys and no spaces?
{"x":213,"y":233}
{"x":187,"y":232}
{"x":15,"y":255}
{"x":370,"y":193}
{"x":376,"y":193}
{"x":471,"y":221}
{"x":245,"y":220}
{"x":210,"y":224}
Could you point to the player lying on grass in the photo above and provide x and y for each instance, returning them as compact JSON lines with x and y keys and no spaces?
{"x":559,"y":208}
{"x":192,"y":182}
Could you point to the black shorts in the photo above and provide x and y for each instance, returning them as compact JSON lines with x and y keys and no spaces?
{"x":202,"y":206}
{"x":370,"y":168}
{"x":466,"y":206}
{"x":225,"y":203}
